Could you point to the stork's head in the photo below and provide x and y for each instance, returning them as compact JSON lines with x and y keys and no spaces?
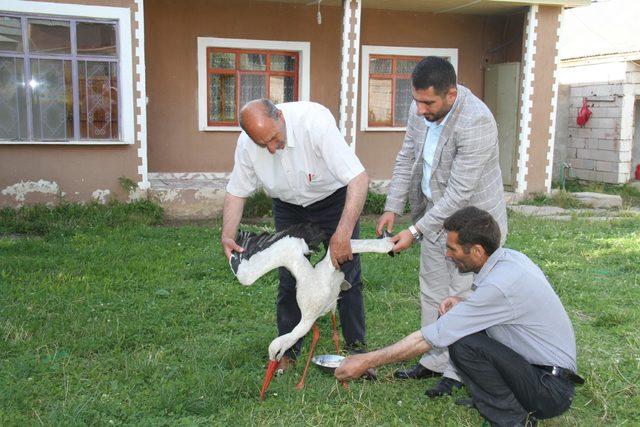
{"x":280,"y":345}
{"x":276,"y":351}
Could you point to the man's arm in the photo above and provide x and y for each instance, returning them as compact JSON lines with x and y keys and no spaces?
{"x":407,"y":348}
{"x":231,"y":216}
{"x":400,"y":182}
{"x":340,"y":244}
{"x":401,"y":177}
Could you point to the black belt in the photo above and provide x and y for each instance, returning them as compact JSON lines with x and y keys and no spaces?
{"x":562,"y":373}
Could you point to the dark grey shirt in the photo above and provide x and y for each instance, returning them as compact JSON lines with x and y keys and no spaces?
{"x":514,"y":302}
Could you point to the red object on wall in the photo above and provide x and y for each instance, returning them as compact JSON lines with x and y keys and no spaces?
{"x":638,"y":172}
{"x":583,"y":114}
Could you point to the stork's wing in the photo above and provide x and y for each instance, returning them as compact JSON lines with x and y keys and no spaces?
{"x":254,"y":243}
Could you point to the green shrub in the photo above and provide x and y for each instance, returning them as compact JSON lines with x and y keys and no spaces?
{"x":258,"y":205}
{"x":41,"y":219}
{"x":127,"y":184}
{"x":560,"y":198}
{"x":374,"y":205}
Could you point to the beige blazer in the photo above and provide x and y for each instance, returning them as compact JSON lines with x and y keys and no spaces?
{"x":465,"y":167}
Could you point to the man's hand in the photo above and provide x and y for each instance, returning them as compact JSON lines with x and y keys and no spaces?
{"x":447,"y":304}
{"x":231,"y":215}
{"x":229,"y":245}
{"x":340,"y":248}
{"x":352,"y":367}
{"x":386,"y":220}
{"x":403,"y":240}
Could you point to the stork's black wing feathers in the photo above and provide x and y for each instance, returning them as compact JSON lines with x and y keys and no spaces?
{"x":254,"y":243}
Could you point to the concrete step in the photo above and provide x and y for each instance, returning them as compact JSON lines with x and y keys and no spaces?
{"x":188,"y":198}
{"x":599,"y":200}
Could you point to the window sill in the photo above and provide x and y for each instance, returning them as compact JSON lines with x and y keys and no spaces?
{"x":221,"y":129}
{"x":384,"y":129}
{"x":67,"y":143}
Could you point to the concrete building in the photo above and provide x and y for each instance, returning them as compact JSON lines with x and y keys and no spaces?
{"x":96,"y":94}
{"x":600,"y":49}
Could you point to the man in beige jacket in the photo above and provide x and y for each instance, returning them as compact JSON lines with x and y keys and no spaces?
{"x":449,"y":160}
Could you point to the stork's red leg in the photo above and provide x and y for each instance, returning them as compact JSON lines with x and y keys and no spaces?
{"x":314,"y":341}
{"x":335,"y":336}
{"x":271,"y":369}
{"x":336,"y":341}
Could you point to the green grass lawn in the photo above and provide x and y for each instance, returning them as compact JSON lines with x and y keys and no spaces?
{"x":107,"y":317}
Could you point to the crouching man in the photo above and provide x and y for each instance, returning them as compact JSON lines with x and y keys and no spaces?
{"x":511,"y":339}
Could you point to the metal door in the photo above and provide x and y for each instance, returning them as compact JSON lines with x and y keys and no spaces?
{"x":501,"y":92}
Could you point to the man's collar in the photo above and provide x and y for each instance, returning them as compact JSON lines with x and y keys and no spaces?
{"x":488,"y":265}
{"x":291,"y":139}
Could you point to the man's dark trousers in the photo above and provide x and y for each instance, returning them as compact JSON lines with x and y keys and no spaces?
{"x":504,"y":387}
{"x":326,"y":214}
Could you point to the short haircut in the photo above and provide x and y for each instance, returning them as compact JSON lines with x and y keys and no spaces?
{"x":475,"y":227}
{"x":435,"y":72}
{"x":268,"y":108}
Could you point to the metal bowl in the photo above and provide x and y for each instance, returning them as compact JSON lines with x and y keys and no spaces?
{"x":327,"y":362}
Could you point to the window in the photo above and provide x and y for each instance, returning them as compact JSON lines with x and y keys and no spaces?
{"x":390,"y":89}
{"x":235,"y":77}
{"x":59,"y":79}
{"x":386,"y":84}
{"x":232,"y":72}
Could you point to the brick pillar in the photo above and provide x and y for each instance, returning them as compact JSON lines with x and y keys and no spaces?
{"x":140,"y":94}
{"x":350,"y":69}
{"x":538,"y":99}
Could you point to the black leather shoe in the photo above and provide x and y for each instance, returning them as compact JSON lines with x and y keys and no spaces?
{"x":529,"y":421}
{"x":444,"y":388}
{"x":371,"y":374}
{"x":415,"y":373}
{"x":466,"y":402}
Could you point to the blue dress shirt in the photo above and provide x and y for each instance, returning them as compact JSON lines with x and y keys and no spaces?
{"x":429,"y":150}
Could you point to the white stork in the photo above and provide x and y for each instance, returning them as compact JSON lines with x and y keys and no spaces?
{"x":317,"y":288}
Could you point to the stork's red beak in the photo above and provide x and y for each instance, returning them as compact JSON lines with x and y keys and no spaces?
{"x":271,"y":369}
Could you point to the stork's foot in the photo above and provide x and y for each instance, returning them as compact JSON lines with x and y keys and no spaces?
{"x":286,"y":363}
{"x":335,"y":336}
{"x":314,"y":341}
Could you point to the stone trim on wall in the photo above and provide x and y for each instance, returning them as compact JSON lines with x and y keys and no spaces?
{"x":528,"y":66}
{"x":554,"y":107}
{"x":350,"y":70}
{"x":189,"y":175}
{"x":141,"y":94}
{"x":539,"y":93}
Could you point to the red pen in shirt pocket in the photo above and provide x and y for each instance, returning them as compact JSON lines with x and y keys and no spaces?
{"x":311,"y":176}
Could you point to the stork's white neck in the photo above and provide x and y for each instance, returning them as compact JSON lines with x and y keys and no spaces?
{"x":286,"y":341}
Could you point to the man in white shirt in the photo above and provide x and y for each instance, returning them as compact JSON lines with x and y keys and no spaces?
{"x":295,"y":152}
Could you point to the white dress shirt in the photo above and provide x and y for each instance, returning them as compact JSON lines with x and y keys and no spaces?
{"x":314,"y":163}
